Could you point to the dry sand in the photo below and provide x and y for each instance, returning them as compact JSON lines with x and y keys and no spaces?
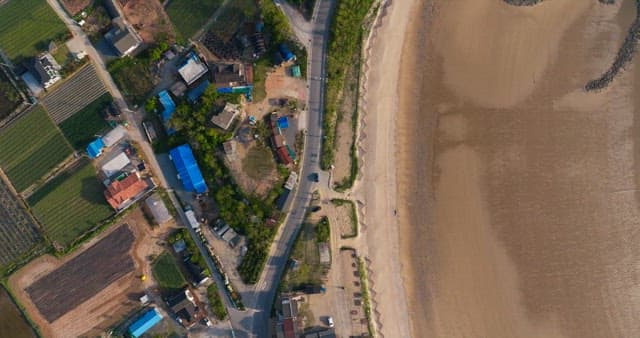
{"x":516,"y":190}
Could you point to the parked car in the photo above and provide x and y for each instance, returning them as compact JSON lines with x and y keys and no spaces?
{"x":330,"y":321}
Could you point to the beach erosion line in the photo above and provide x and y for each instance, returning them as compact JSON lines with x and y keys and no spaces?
{"x":624,"y":56}
{"x":367,"y":51}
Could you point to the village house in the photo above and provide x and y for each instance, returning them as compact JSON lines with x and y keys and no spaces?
{"x":225,"y":118}
{"x":121,"y":194}
{"x":122,"y":37}
{"x":47,"y":69}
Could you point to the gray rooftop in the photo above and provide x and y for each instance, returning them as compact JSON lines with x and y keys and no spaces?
{"x":158,"y":209}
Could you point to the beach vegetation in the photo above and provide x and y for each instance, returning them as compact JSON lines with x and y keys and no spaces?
{"x":345,"y":42}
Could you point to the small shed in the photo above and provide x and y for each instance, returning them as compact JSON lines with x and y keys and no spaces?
{"x":115,"y":165}
{"x":116,"y":134}
{"x":295,"y":71}
{"x":158,"y":209}
{"x":283,"y":122}
{"x":94,"y":149}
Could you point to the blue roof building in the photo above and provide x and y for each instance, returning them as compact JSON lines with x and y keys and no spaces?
{"x":283,"y":122}
{"x":169,"y":107}
{"x":188,"y":170}
{"x":194,"y":94}
{"x":285,"y":52}
{"x":95,"y":148}
{"x":144,"y":323}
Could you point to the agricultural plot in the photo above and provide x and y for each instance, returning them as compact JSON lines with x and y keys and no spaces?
{"x":79,"y":187}
{"x":27,"y":27}
{"x":31,"y":147}
{"x":189,"y":16}
{"x":11,"y":320}
{"x":84,"y":276}
{"x":81,"y":128}
{"x":83,"y":88}
{"x":167,"y":273}
{"x":19,"y":234}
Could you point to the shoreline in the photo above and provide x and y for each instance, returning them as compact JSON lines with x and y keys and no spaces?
{"x":376,"y":142}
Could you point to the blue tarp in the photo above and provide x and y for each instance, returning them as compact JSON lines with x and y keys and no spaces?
{"x":95,"y":148}
{"x":283,"y":122}
{"x":188,"y":169}
{"x":194,"y":94}
{"x":144,"y":323}
{"x":285,"y":52}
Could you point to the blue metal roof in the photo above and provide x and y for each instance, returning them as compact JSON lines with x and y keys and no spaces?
{"x":144,"y":323}
{"x":283,"y":122}
{"x":168,"y":105}
{"x":188,"y":169}
{"x":194,"y":94}
{"x":95,"y":148}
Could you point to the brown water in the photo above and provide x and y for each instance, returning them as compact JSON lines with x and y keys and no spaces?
{"x":12,"y":324}
{"x":520,"y":189}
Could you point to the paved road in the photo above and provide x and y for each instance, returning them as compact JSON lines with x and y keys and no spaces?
{"x":255,"y":322}
{"x":135,"y":120}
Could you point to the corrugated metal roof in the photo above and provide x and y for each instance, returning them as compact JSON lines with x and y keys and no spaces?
{"x":115,"y":135}
{"x":158,"y":208}
{"x":115,"y":165}
{"x":188,"y":169}
{"x":144,"y":323}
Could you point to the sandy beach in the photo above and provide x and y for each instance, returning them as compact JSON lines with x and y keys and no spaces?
{"x":516,"y":190}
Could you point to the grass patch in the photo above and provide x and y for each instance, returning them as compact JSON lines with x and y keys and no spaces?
{"x":353,"y":215}
{"x":345,"y":41}
{"x":189,"y":16}
{"x":31,"y":147}
{"x":78,"y":187}
{"x":133,"y":77}
{"x":306,"y":269}
{"x":81,"y":128}
{"x":27,"y":27}
{"x":364,"y":287}
{"x":167,"y":273}
{"x":61,"y":54}
{"x":258,"y":163}
{"x":216,"y":303}
{"x":259,"y":78}
{"x":10,"y":98}
{"x":323,"y":231}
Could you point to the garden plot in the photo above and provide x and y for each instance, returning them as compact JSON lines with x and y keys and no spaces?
{"x":27,"y":27}
{"x":78,"y":187}
{"x":19,"y":234}
{"x":83,"y":88}
{"x":31,"y":147}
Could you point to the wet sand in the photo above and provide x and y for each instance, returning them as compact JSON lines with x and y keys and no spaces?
{"x":517,"y":190}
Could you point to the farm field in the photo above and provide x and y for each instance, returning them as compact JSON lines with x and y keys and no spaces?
{"x":189,"y":16}
{"x":32,"y":146}
{"x":80,"y":90}
{"x":133,"y":77}
{"x":81,"y":128}
{"x":167,"y":272}
{"x":12,"y":323}
{"x":82,"y":277}
{"x":77,"y":187}
{"x":27,"y":26}
{"x":19,"y":233}
{"x":96,"y":286}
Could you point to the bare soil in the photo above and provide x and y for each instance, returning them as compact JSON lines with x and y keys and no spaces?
{"x":279,"y":84}
{"x":103,"y":307}
{"x":75,"y":6}
{"x":259,"y":187}
{"x":149,"y":19}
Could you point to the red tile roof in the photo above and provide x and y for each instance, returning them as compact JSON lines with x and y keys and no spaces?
{"x":119,"y":192}
{"x":289,"y":328}
{"x":284,"y":156}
